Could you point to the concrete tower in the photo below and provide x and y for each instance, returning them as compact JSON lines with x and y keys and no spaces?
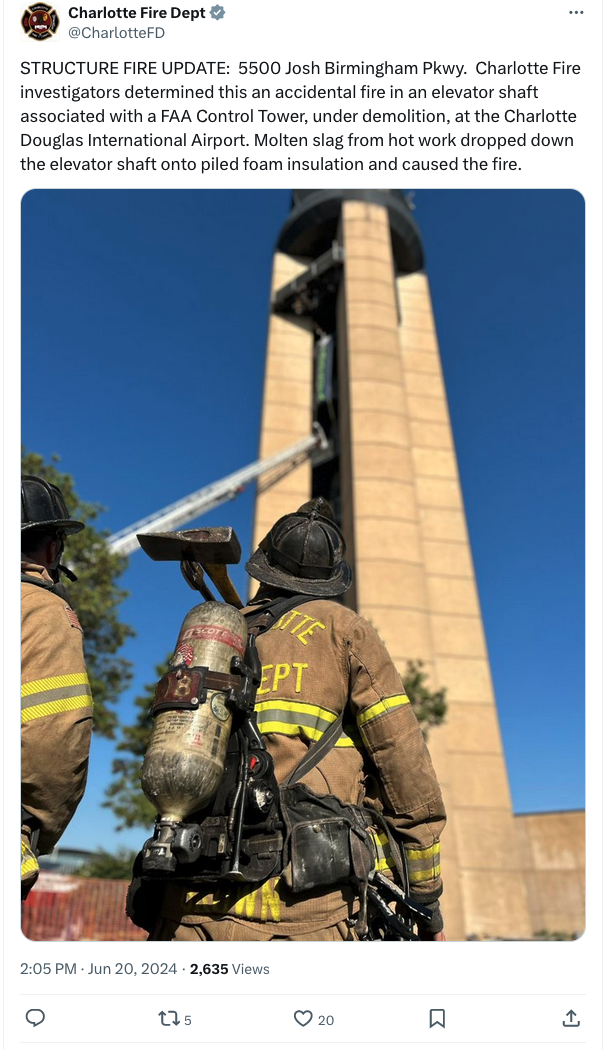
{"x":352,"y":343}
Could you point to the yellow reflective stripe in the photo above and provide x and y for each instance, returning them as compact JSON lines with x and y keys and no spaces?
{"x":424,"y":863}
{"x":350,"y":737}
{"x":383,"y":859}
{"x":42,"y":685}
{"x":288,"y":729}
{"x":29,"y":862}
{"x":55,"y":707}
{"x":293,"y":718}
{"x":345,"y":741}
{"x":28,"y":866}
{"x":299,"y":706}
{"x":421,"y":876}
{"x":424,"y":854}
{"x":382,"y":707}
{"x":304,"y":725}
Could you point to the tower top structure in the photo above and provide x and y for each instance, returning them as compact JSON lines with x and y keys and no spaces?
{"x":312,"y":224}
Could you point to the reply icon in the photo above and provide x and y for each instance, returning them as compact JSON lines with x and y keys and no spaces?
{"x":437,"y":1017}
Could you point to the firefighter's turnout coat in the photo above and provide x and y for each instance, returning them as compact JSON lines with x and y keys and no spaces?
{"x":318,"y":660}
{"x":56,"y":715}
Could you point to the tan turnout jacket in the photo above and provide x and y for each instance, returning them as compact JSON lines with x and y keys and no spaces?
{"x":56,"y":715}
{"x":319,"y":660}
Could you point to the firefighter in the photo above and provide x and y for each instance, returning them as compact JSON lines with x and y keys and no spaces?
{"x":321,"y":659}
{"x":56,"y":703}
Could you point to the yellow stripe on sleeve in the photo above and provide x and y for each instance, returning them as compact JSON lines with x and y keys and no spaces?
{"x":424,"y":863}
{"x":55,"y":707}
{"x":29,"y":862}
{"x":422,"y":876}
{"x":42,"y":685}
{"x":424,"y":854}
{"x":382,"y":707}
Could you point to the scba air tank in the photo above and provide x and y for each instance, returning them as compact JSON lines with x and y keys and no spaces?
{"x":186,"y":755}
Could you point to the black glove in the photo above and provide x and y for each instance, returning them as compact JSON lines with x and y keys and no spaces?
{"x":428,"y":929}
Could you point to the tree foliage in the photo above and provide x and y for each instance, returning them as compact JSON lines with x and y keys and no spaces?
{"x":124,"y":795}
{"x":109,"y":865}
{"x":96,"y":596}
{"x":430,"y":707}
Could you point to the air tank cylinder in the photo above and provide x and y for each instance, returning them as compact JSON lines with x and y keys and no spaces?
{"x":186,"y":755}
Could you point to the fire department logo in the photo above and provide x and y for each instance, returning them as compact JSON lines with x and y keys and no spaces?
{"x":40,"y":21}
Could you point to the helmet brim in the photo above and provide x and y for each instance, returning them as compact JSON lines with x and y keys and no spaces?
{"x":260,"y":569}
{"x":66,"y":525}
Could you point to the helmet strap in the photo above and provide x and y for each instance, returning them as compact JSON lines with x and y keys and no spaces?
{"x":71,"y":576}
{"x":55,"y":569}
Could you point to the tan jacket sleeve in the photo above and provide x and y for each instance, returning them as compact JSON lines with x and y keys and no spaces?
{"x":56,"y":712}
{"x":393,"y":740}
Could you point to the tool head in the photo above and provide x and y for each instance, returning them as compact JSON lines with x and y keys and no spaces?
{"x":213,"y":546}
{"x":199,"y":551}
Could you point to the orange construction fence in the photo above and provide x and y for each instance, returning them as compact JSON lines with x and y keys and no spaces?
{"x":66,"y":908}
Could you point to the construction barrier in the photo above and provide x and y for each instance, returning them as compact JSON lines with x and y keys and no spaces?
{"x":67,"y":908}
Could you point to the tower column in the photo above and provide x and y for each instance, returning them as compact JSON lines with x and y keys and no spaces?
{"x":386,"y":552}
{"x":467,"y":750}
{"x":393,"y":475}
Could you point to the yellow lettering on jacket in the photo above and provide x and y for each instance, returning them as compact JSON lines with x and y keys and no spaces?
{"x":262,"y":685}
{"x":304,"y":619}
{"x":299,"y":624}
{"x":285,"y":620}
{"x":300,"y":671}
{"x":280,"y":673}
{"x":309,"y":630}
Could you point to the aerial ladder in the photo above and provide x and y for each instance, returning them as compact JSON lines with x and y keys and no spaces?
{"x":218,"y":492}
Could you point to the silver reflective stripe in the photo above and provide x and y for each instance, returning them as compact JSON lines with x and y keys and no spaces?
{"x":49,"y":695}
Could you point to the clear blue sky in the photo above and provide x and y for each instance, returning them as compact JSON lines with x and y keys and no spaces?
{"x":149,"y":348}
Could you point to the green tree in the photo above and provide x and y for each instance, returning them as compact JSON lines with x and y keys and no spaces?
{"x":96,"y":596}
{"x":124,"y":795}
{"x":430,"y":707}
{"x":109,"y":865}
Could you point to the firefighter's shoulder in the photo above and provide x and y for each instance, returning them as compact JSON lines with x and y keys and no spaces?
{"x":41,"y":603}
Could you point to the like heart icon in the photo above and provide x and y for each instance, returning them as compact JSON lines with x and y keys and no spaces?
{"x":303,"y":1017}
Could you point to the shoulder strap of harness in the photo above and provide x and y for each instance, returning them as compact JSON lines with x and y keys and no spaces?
{"x":317,"y":751}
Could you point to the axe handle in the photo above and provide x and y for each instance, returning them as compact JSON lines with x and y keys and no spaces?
{"x":193,"y":574}
{"x":219,"y":575}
